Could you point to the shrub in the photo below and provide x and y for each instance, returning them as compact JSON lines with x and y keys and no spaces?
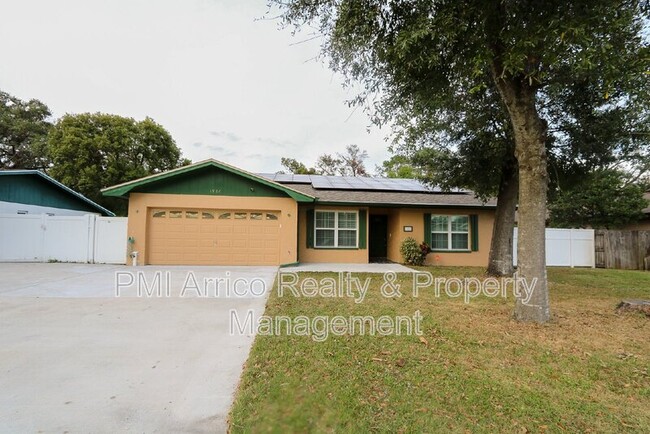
{"x":412,"y":252}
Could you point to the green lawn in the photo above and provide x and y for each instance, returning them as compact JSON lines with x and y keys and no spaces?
{"x":473,"y":370}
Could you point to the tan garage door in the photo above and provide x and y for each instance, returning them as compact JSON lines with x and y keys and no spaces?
{"x":213,"y":237}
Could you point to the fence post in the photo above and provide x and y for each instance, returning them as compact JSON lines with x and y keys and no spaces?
{"x":593,"y":248}
{"x":41,"y":252}
{"x":571,"y":248}
{"x":91,"y":228}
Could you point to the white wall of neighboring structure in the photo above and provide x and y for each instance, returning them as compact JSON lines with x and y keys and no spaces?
{"x":41,"y":238}
{"x":15,"y":208}
{"x":566,"y":247}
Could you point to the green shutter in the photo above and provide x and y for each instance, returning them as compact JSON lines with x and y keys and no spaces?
{"x":427,"y":228}
{"x":473,"y":230}
{"x":362,"y":229}
{"x":310,"y":228}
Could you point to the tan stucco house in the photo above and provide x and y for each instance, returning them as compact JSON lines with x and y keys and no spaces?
{"x":211,"y":213}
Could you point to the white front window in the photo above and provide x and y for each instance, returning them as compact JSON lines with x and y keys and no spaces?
{"x":450,"y":232}
{"x":336,"y":229}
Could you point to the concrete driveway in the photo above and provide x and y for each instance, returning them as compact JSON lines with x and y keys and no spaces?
{"x":75,"y":357}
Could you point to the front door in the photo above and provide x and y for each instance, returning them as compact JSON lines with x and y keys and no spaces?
{"x":378,"y":241}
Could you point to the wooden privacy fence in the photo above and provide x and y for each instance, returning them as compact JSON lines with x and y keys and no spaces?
{"x":628,"y":250}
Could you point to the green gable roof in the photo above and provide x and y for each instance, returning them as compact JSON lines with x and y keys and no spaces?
{"x":33,"y":187}
{"x":209,"y":177}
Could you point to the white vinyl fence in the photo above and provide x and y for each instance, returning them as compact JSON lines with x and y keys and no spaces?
{"x":40,"y":238}
{"x":566,"y":247}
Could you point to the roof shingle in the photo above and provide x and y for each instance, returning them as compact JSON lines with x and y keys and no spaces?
{"x":392,"y":198}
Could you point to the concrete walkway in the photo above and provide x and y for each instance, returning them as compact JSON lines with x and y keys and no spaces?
{"x":76,"y":358}
{"x":353,"y":268}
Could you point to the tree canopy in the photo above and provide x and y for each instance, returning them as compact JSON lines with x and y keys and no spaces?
{"x":24,"y":126}
{"x":524,"y":47}
{"x":294,"y":166}
{"x":398,"y":166}
{"x":349,"y":163}
{"x":91,"y":151}
{"x":604,"y":200}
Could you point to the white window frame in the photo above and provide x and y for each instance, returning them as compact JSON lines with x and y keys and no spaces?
{"x":336,"y":229}
{"x":449,"y":233}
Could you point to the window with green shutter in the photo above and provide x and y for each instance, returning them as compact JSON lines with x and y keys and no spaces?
{"x":450,"y":232}
{"x":335,"y":229}
{"x":473,"y":228}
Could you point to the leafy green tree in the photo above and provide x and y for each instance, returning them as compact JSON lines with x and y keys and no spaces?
{"x":398,"y":166}
{"x":295,"y":166}
{"x":350,"y":163}
{"x":524,"y":47}
{"x":467,"y":142}
{"x":604,"y":200}
{"x":91,"y":151}
{"x":24,"y":126}
{"x":326,"y":164}
{"x":464,"y":140}
{"x":591,"y":132}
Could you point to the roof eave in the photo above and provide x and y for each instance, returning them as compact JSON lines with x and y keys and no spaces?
{"x":407,"y":204}
{"x":122,"y":190}
{"x":63,"y":187}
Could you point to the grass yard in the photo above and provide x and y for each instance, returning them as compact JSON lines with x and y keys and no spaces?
{"x":473,"y":370}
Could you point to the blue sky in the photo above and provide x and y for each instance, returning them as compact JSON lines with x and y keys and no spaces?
{"x":225,"y":82}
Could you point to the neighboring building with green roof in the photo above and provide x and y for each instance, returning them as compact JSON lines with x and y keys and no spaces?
{"x":33,"y":192}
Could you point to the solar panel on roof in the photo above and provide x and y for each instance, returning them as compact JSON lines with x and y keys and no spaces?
{"x":286,"y":178}
{"x":327,"y":182}
{"x":283,"y":177}
{"x":366,"y":183}
{"x":302,"y":179}
{"x":269,"y":176}
{"x":320,"y":182}
{"x":356,"y":182}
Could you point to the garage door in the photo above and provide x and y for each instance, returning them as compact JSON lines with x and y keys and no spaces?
{"x":213,"y":237}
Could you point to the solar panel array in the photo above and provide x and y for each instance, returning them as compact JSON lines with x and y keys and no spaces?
{"x":289,"y":178}
{"x":366,"y":183}
{"x":326,"y":182}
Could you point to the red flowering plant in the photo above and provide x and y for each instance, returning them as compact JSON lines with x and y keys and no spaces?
{"x":414,"y":253}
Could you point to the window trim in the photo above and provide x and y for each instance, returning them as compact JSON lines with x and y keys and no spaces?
{"x":336,"y":229}
{"x":449,"y":233}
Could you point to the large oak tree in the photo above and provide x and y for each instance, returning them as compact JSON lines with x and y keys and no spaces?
{"x":24,"y":126}
{"x":524,"y":46}
{"x":91,"y":151}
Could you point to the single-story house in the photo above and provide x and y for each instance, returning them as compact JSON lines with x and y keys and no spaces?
{"x":33,"y":192}
{"x":211,"y":213}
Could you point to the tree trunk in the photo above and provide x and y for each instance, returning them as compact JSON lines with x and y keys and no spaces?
{"x":500,"y":261}
{"x":530,"y":150}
